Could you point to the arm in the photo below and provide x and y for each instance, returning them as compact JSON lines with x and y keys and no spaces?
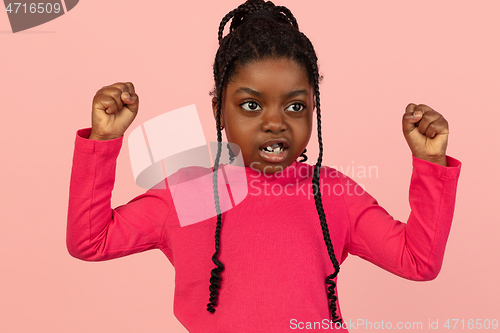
{"x":95,"y":231}
{"x":414,"y":250}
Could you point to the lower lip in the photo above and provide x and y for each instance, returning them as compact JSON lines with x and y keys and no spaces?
{"x":273,"y":158}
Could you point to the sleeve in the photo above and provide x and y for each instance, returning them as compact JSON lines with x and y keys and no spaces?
{"x":96,"y":232}
{"x":412,"y":250}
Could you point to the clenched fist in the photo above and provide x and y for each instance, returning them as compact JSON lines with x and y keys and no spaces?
{"x":426,"y":132}
{"x":113,"y":109}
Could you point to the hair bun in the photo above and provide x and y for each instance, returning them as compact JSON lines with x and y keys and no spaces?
{"x":261,"y":14}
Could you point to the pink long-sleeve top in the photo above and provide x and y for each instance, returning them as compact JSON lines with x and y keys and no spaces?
{"x":272,"y":244}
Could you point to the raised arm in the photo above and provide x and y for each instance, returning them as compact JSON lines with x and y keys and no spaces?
{"x":94,"y":230}
{"x":413,"y":250}
{"x":97,"y":232}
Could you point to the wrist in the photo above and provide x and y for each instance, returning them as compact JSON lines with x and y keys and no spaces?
{"x":94,"y":136}
{"x":440,"y":160}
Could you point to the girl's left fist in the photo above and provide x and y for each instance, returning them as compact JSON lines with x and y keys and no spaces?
{"x":426,"y":132}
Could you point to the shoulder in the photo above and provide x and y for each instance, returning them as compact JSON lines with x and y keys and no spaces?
{"x":333,"y":183}
{"x":188,"y":173}
{"x":181,"y":175}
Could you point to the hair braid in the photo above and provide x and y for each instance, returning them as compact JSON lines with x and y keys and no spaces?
{"x":289,"y":16}
{"x":224,"y":21}
{"x":319,"y":202}
{"x":304,"y":156}
{"x":215,"y":273}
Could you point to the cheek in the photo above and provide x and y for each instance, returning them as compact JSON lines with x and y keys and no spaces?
{"x":303,"y":129}
{"x":238,"y":130}
{"x":305,"y":135}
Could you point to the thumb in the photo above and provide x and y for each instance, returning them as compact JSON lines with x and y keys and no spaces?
{"x":411,"y":119}
{"x":127,"y":114}
{"x":131,"y":101}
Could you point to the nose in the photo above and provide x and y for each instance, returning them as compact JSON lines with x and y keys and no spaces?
{"x":273,"y":120}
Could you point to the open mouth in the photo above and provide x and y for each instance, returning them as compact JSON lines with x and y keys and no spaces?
{"x":276,"y":148}
{"x":274,"y":151}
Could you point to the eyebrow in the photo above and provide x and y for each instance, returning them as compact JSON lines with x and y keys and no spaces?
{"x":296,"y":93}
{"x":248,"y":91}
{"x":290,"y":94}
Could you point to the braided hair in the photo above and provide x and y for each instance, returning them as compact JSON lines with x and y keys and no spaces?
{"x":260,"y":30}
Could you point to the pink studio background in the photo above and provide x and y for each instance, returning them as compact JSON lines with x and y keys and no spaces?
{"x":376,"y":57}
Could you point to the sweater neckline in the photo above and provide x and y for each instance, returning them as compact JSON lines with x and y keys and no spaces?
{"x":260,"y":174}
{"x":294,"y":171}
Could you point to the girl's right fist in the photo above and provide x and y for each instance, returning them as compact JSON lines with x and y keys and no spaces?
{"x":113,"y":109}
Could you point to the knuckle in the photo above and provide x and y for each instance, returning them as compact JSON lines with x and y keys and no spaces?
{"x":119,"y":87}
{"x":107,"y":99}
{"x":116,"y":89}
{"x":409,"y":107}
{"x":110,"y":91}
{"x":123,"y":86}
{"x":100,"y":99}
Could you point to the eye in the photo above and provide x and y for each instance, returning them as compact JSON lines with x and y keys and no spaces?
{"x":250,"y":106}
{"x":296,"y":107}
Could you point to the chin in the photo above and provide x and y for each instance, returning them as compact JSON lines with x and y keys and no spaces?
{"x":269,"y":168}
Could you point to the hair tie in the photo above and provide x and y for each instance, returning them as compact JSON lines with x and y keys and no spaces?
{"x":261,"y":14}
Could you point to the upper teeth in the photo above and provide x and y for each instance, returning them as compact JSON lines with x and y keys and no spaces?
{"x":278,"y":148}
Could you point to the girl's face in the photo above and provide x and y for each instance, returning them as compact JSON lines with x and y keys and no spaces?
{"x":268,"y":105}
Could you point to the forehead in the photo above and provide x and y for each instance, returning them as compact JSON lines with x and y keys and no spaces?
{"x":276,"y":74}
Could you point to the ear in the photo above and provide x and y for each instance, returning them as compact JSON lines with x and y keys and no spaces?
{"x":214,"y":109}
